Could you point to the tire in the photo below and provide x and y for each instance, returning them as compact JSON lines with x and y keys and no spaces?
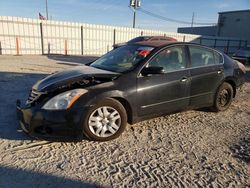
{"x":106,"y":116}
{"x":223,"y":97}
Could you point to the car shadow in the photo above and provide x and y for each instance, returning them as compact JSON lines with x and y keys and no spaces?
{"x":72,"y":60}
{"x":241,"y":150}
{"x":14,"y":177}
{"x":205,"y":109}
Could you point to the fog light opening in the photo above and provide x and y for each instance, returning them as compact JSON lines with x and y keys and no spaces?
{"x":43,"y":130}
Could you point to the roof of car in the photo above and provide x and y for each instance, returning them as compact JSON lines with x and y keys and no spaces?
{"x":158,"y":43}
{"x":157,"y":36}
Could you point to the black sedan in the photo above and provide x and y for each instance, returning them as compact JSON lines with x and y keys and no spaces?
{"x":127,"y":85}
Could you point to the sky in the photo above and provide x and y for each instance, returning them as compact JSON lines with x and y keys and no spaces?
{"x":118,"y":13}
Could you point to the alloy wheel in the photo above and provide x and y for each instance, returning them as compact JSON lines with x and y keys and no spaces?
{"x":105,"y":121}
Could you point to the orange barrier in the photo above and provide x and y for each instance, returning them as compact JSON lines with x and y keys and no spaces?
{"x":17,"y":46}
{"x":1,"y":48}
{"x":66,"y":47}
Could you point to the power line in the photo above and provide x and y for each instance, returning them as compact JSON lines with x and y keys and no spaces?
{"x":172,"y":20}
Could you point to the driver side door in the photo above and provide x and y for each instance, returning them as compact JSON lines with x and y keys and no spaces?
{"x":167,"y":92}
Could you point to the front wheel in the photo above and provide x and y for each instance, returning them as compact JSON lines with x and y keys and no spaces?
{"x":223,"y":97}
{"x":105,"y":121}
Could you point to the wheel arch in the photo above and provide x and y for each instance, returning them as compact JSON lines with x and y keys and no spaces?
{"x":118,"y":96}
{"x":233,"y":84}
{"x":127,"y":107}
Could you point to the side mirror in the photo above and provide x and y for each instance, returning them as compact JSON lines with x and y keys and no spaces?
{"x":152,"y":70}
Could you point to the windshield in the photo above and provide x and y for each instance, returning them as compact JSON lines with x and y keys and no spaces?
{"x":123,"y":58}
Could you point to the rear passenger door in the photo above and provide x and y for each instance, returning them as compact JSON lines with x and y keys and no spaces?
{"x":206,"y":70}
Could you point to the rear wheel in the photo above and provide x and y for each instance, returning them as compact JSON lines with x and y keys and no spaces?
{"x":105,"y":121}
{"x":223,"y":97}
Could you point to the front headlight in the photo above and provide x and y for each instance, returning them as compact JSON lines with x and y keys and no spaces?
{"x":64,"y":100}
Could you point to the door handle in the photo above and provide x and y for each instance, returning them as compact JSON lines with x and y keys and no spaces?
{"x":184,"y":79}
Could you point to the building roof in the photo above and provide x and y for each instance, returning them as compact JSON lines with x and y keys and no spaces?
{"x":235,"y":11}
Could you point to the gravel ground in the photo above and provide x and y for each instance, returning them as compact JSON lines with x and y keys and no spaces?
{"x":188,"y":149}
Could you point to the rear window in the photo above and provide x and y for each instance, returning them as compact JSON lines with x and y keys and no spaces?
{"x":201,"y":56}
{"x":138,"y":39}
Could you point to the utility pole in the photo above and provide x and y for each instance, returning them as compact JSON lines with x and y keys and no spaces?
{"x":134,"y":4}
{"x":47,"y":13}
{"x":134,"y":16}
{"x":192,"y":23}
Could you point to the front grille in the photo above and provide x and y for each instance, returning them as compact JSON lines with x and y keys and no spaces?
{"x":34,"y":96}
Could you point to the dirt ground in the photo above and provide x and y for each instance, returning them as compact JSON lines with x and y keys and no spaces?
{"x":188,"y":149}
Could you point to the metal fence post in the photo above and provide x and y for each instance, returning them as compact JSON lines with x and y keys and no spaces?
{"x":49,"y":48}
{"x":239,"y":45}
{"x":228,"y":41}
{"x":184,"y":38}
{"x":215,"y":43}
{"x":41,"y":30}
{"x":1,"y":48}
{"x":141,"y":33}
{"x":82,"y":40}
{"x":114,"y":36}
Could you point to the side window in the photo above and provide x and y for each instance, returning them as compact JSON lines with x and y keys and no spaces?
{"x":171,"y":59}
{"x":218,"y":58}
{"x":201,"y":56}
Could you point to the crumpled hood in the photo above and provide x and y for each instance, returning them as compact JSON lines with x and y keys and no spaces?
{"x":69,"y":76}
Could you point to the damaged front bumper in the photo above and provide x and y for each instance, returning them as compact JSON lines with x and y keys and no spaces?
{"x":50,"y":124}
